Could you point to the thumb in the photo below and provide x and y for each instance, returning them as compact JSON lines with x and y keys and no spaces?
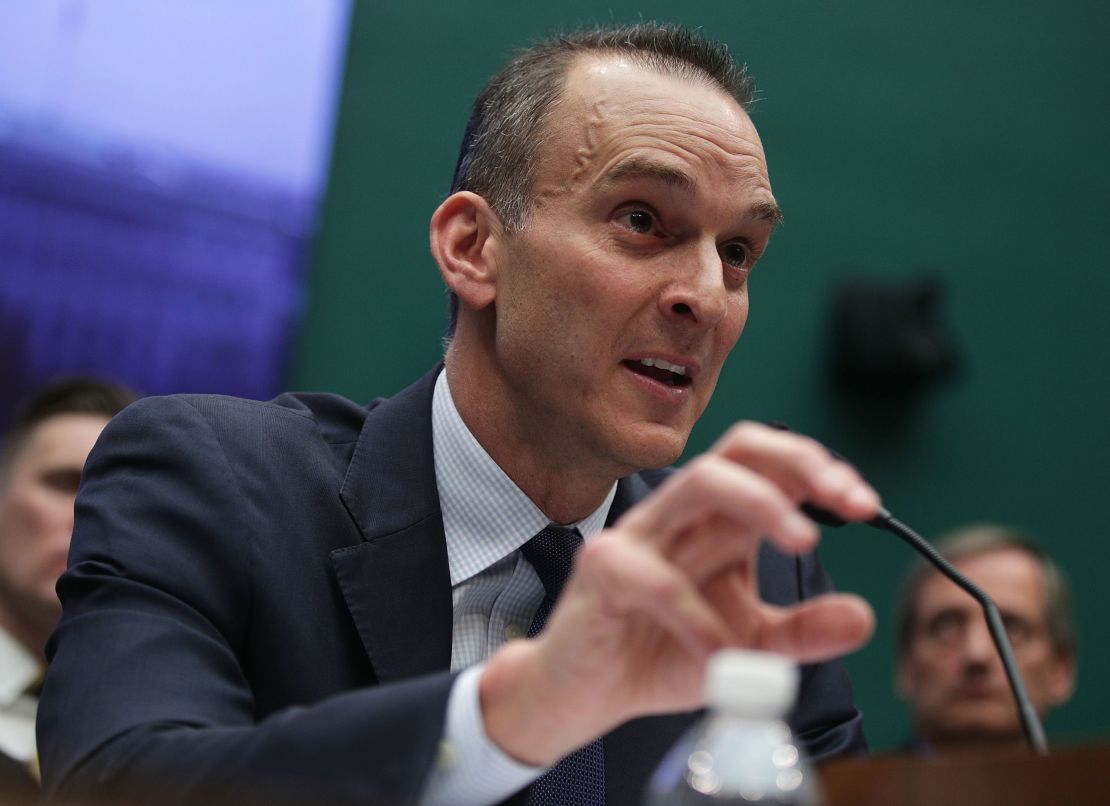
{"x":818,"y":629}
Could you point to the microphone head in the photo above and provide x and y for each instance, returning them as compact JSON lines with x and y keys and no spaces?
{"x":823,"y":516}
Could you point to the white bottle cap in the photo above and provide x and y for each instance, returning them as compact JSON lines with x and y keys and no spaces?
{"x":758,"y":684}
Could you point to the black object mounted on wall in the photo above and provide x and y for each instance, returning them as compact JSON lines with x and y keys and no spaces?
{"x":888,"y":340}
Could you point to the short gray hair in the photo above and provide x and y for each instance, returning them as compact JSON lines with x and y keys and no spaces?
{"x":497,"y":157}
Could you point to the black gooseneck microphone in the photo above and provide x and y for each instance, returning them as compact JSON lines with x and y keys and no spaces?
{"x":1030,"y":722}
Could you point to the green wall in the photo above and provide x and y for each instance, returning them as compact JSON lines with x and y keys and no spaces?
{"x":964,"y":138}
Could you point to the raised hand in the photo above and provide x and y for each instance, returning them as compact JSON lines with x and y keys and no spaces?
{"x":675,"y":579}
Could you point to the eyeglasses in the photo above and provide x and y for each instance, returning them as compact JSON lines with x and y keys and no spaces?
{"x":949,"y":628}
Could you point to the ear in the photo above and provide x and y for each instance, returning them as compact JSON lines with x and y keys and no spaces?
{"x":464,"y":234}
{"x":903,"y":679}
{"x":1062,"y":684}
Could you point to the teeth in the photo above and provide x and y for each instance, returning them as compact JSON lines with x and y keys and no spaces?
{"x":659,"y":362}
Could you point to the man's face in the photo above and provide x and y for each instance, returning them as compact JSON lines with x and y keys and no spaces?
{"x":652,"y":205}
{"x":951,"y":674}
{"x":36,"y":514}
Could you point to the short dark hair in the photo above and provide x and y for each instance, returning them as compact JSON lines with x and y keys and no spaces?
{"x":76,"y":395}
{"x":978,"y":539}
{"x":497,"y":157}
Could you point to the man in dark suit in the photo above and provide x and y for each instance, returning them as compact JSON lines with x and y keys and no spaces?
{"x":313,"y":599}
{"x":41,"y":456}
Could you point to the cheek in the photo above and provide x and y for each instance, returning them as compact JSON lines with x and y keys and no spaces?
{"x":728,"y":331}
{"x":33,"y":518}
{"x":570,"y":321}
{"x":738,"y":314}
{"x":1037,"y":667}
{"x":937,"y":668}
{"x":736,"y":317}
{"x":539,"y":300}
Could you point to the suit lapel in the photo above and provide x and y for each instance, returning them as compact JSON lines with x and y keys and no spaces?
{"x":396,"y":582}
{"x":630,"y":491}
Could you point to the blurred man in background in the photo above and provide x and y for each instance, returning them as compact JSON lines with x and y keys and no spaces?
{"x":949,"y":671}
{"x":40,"y":466}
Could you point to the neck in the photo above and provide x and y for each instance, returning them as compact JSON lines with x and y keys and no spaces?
{"x":541,"y":464}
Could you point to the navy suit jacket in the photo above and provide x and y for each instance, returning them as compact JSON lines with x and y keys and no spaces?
{"x":258,"y":602}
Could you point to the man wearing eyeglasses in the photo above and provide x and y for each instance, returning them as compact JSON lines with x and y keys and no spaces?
{"x":949,"y":671}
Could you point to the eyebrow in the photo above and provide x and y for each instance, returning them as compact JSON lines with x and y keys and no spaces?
{"x":767,"y":211}
{"x":639,"y":168}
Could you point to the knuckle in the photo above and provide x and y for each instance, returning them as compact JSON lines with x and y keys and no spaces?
{"x":664,"y":588}
{"x":595,"y":554}
{"x":807,"y":448}
{"x":766,"y":501}
{"x":813,"y":447}
{"x":745,"y":431}
{"x":603,"y":557}
{"x":810,"y":456}
{"x":700,"y":470}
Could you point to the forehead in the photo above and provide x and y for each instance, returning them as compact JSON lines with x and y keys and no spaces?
{"x":62,"y":439}
{"x":1013,"y":578}
{"x":614,"y":109}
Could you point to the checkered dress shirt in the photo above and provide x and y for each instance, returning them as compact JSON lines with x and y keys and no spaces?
{"x":486,"y":519}
{"x":495,"y":593}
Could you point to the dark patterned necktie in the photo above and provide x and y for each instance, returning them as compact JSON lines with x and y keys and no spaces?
{"x":578,"y":779}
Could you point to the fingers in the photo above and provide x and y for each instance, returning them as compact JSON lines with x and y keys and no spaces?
{"x":817,"y":629}
{"x":754,"y":478}
{"x":725,"y":610}
{"x":676,"y":578}
{"x":802,"y":468}
{"x":712,"y":487}
{"x":708,"y":547}
{"x":631,"y":578}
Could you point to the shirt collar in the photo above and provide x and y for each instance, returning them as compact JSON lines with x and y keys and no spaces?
{"x":486,"y":516}
{"x":19,"y":668}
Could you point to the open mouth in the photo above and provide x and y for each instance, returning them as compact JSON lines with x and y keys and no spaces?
{"x":659,"y":370}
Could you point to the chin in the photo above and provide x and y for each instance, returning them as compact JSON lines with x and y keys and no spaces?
{"x":653,"y":450}
{"x":984,"y":726}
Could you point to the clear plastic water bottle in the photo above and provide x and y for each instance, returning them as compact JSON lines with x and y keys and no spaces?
{"x":742,"y":751}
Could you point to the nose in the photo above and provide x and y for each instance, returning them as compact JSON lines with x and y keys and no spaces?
{"x":697,"y":295}
{"x":978,"y":647}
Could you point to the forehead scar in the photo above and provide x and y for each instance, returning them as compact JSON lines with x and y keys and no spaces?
{"x":584,"y":153}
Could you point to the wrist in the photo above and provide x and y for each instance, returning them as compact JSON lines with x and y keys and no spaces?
{"x":522,"y":712}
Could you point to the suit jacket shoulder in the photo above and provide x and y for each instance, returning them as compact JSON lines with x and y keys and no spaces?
{"x":224,"y":626}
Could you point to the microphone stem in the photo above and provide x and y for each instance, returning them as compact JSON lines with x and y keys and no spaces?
{"x":1030,"y":721}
